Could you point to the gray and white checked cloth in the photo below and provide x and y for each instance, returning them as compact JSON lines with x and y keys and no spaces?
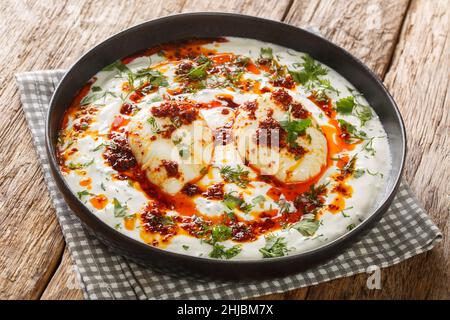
{"x":404,"y":231}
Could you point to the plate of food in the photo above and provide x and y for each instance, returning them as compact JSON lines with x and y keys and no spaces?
{"x":225,"y":145}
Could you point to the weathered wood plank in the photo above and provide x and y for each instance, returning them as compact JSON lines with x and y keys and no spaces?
{"x":271,"y":9}
{"x":418,"y":77}
{"x":42,"y":35}
{"x":366,"y":28}
{"x":64,"y":283}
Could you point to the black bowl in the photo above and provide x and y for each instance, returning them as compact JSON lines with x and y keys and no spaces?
{"x":184,"y":26}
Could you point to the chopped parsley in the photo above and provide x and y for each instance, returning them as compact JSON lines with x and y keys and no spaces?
{"x":357,"y":173}
{"x":77,"y":165}
{"x":310,"y":71}
{"x":220,"y":233}
{"x":351,"y":226}
{"x":91,"y":98}
{"x":349,"y":105}
{"x":83,"y":193}
{"x":185,"y":247}
{"x":368,"y":146}
{"x":283,"y":206}
{"x":200,"y":71}
{"x":120,"y":211}
{"x":349,"y":167}
{"x":153,"y":77}
{"x":375,"y":173}
{"x":345,"y":214}
{"x":307,"y":226}
{"x":295,"y":128}
{"x":184,"y":151}
{"x":309,"y":74}
{"x":259,"y":199}
{"x":275,"y":247}
{"x":345,"y":105}
{"x":237,"y":175}
{"x":154,"y":125}
{"x":116,"y":65}
{"x":266,"y":53}
{"x":156,"y":98}
{"x":101,"y":145}
{"x":355,"y":134}
{"x":230,"y":215}
{"x":220,"y":252}
{"x":233,"y":202}
{"x":363,"y":112}
{"x":312,"y":200}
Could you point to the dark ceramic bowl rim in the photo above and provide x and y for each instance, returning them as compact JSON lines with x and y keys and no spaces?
{"x":373,"y":217}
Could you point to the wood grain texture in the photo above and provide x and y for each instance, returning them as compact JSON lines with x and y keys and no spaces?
{"x":368,"y":28}
{"x":272,"y":9}
{"x":63,"y":284}
{"x":43,"y":35}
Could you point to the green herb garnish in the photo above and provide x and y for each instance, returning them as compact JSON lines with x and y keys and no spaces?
{"x":363,"y":112}
{"x":375,"y":173}
{"x":154,"y":125}
{"x":116,"y":65}
{"x":75,"y":165}
{"x":259,"y":199}
{"x":295,"y":128}
{"x":237,"y":175}
{"x":307,"y":226}
{"x":220,"y":233}
{"x":266,"y":53}
{"x":345,"y":214}
{"x":345,"y":105}
{"x":349,"y":105}
{"x":153,"y":77}
{"x":355,"y":134}
{"x":200,"y":71}
{"x":311,"y":201}
{"x":232,"y":202}
{"x":120,"y":211}
{"x":310,"y":71}
{"x":358,"y":173}
{"x":83,"y":193}
{"x":219,"y":251}
{"x":275,"y":247}
{"x":283,"y":206}
{"x":101,"y":145}
{"x":368,"y":146}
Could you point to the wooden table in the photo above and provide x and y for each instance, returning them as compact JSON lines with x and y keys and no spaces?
{"x":405,"y":42}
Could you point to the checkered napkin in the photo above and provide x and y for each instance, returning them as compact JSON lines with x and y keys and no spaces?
{"x":404,"y":231}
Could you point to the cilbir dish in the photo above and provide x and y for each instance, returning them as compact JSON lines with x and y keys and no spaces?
{"x":225,"y":148}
